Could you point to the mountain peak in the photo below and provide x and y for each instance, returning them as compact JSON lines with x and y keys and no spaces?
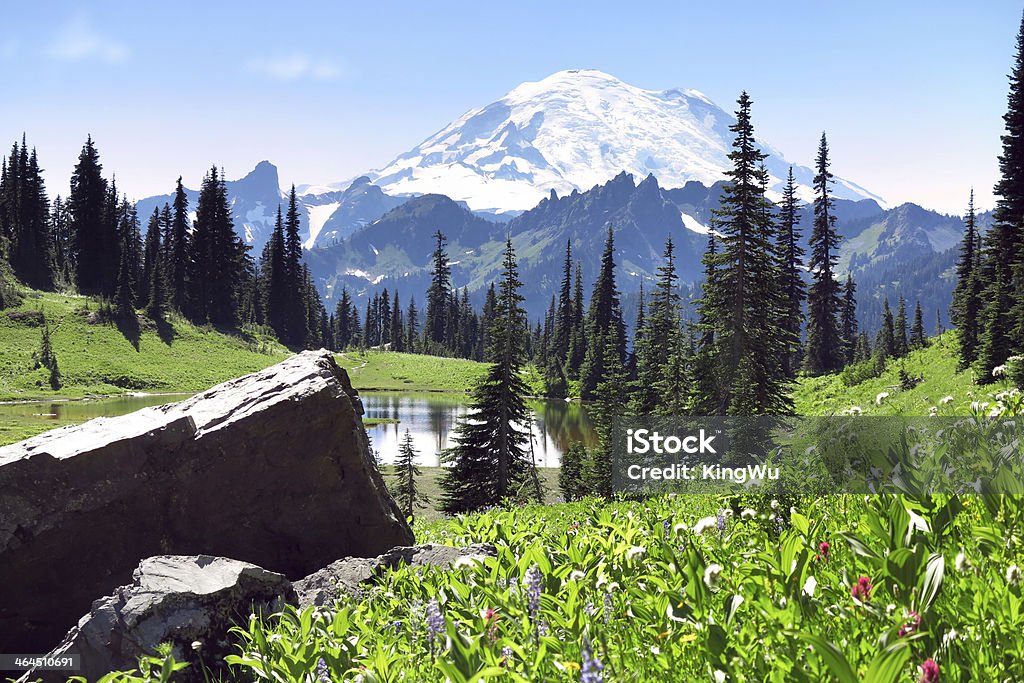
{"x":573,"y":130}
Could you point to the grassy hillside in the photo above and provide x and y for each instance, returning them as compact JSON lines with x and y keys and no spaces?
{"x":95,"y":357}
{"x":392,"y":371}
{"x":936,"y":368}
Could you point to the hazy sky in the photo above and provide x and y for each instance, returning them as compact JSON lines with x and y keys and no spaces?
{"x":910,"y":93}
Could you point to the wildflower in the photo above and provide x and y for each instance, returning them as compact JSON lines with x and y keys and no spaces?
{"x":197,"y":645}
{"x":533,"y":589}
{"x":635,"y":552}
{"x":436,"y":625}
{"x":748,"y":513}
{"x":720,"y":676}
{"x":1013,"y":575}
{"x":679,"y":528}
{"x":861,"y":590}
{"x":809,"y":585}
{"x":506,"y":654}
{"x":666,"y":527}
{"x":323,"y":674}
{"x":591,"y":667}
{"x":590,"y":609}
{"x":979,"y":406}
{"x":933,"y":411}
{"x":712,"y":575}
{"x":945,"y":400}
{"x":720,"y":522}
{"x":576,"y":575}
{"x":823,"y":549}
{"x":881,"y":397}
{"x":912,"y":625}
{"x":704,"y":524}
{"x":929,"y":671}
{"x":608,"y":607}
{"x":961,"y":562}
{"x":775,"y":504}
{"x":490,"y":613}
{"x":999,"y":370}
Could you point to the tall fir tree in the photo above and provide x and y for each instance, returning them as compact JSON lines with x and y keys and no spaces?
{"x":219,"y":256}
{"x":179,"y":250}
{"x":578,"y":336}
{"x":439,"y":293}
{"x":918,"y":340}
{"x":489,"y":460}
{"x":406,"y":487}
{"x":605,"y":329}
{"x":900,"y":342}
{"x":96,"y":251}
{"x":885,"y":344}
{"x":824,"y":343}
{"x":848,"y":320}
{"x":793,"y":288}
{"x":25,"y":218}
{"x":743,"y":301}
{"x":965,"y":311}
{"x":1003,"y":258}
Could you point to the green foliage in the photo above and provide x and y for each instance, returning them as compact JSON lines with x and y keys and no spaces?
{"x":570,"y":474}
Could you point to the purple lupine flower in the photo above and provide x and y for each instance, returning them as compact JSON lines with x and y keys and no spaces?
{"x":666,"y":528}
{"x":323,"y":674}
{"x":533,"y":589}
{"x":436,"y":625}
{"x":590,"y":609}
{"x":721,"y":522}
{"x":608,"y":607}
{"x":591,"y":667}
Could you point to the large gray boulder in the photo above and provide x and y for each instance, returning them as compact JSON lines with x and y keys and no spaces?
{"x":176,"y":600}
{"x":273,"y":468}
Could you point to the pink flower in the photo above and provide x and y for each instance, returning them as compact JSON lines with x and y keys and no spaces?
{"x":823,"y":549}
{"x":929,"y":671}
{"x":913,"y":623}
{"x":862,"y":589}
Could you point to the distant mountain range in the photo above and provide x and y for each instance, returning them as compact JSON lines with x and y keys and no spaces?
{"x":558,"y":160}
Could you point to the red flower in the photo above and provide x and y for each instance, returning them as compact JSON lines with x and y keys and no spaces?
{"x":823,"y":549}
{"x":929,"y":671}
{"x":489,"y":614}
{"x":862,"y":589}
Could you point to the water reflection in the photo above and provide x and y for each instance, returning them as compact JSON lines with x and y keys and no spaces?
{"x":431,"y":420}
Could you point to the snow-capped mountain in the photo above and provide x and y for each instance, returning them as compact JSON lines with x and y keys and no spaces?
{"x":574,"y":130}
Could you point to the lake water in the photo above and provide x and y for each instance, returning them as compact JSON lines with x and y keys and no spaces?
{"x":429,"y":417}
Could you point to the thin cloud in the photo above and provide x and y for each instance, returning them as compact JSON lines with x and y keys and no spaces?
{"x":296,"y":67}
{"x":78,"y":40}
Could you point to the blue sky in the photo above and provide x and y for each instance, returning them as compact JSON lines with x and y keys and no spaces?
{"x":910,"y":93}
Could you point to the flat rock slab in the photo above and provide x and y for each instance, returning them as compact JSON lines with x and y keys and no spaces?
{"x":273,"y":468}
{"x":175,"y":600}
{"x":348,"y":576}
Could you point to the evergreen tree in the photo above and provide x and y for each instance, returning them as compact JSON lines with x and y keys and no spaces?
{"x":578,"y":336}
{"x":343,"y":337}
{"x":48,"y":359}
{"x":219,"y":256}
{"x":900,"y":343}
{"x":564,"y":315}
{"x":570,"y":474}
{"x":178,"y":250}
{"x":1003,"y":258}
{"x":743,"y":301}
{"x":396,"y":327}
{"x":151,"y":250}
{"x":965,"y":311}
{"x":917,"y":335}
{"x":25,"y":218}
{"x":296,"y":323}
{"x":96,"y":251}
{"x":848,"y":320}
{"x":60,"y":232}
{"x":406,"y":489}
{"x":605,"y":330}
{"x":824,"y":343}
{"x":863,"y":350}
{"x":438,"y":296}
{"x":124,"y":298}
{"x":412,"y":321}
{"x":658,"y":345}
{"x":610,"y":398}
{"x":488,"y":462}
{"x":792,"y":284}
{"x":707,"y":396}
{"x":885,"y":344}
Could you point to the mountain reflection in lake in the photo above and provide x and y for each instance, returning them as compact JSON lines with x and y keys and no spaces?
{"x":431,"y":419}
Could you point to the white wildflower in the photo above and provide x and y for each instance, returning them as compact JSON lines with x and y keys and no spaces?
{"x":999,"y":370}
{"x":1013,"y":575}
{"x":748,"y":513}
{"x":961,"y":562}
{"x":635,"y":552}
{"x":881,"y":397}
{"x":712,"y":575}
{"x":704,"y":524}
{"x":809,"y":585}
{"x":946,"y":399}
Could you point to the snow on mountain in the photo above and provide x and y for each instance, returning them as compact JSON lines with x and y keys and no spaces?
{"x":574,"y":130}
